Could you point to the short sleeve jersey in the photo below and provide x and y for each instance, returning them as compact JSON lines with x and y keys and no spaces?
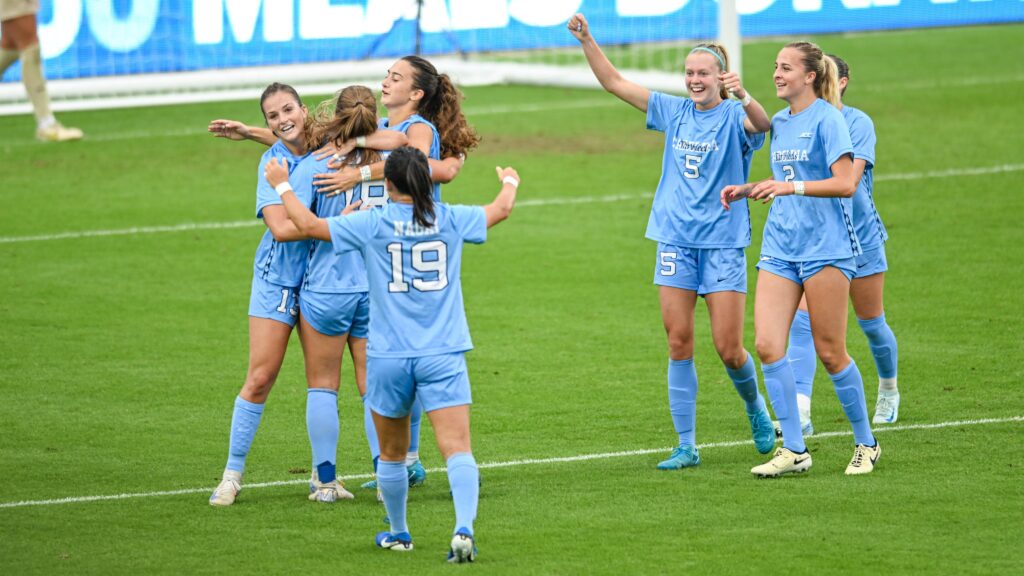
{"x":870,"y":231}
{"x":414,"y":273}
{"x":705,"y":150}
{"x":804,"y":147}
{"x":281,"y":263}
{"x":435,"y":144}
{"x":327,"y":271}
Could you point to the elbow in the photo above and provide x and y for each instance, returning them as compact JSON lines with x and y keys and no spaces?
{"x":849,"y":190}
{"x":763,"y":126}
{"x":279,"y":235}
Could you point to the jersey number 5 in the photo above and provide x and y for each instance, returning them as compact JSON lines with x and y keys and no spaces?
{"x":418,"y":254}
{"x":692,"y":166}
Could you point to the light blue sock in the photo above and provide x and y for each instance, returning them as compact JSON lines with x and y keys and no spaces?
{"x":464,"y":479}
{"x":778,"y":381}
{"x":393,"y":481}
{"x":882,"y":342}
{"x":682,"y":399}
{"x":371,"y":433}
{"x":850,"y":390}
{"x":801,"y":353}
{"x":245,"y":419}
{"x":415,"y":418}
{"x":322,"y":426}
{"x":745,"y":381}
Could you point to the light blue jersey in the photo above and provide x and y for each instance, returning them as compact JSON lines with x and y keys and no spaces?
{"x":282,"y":263}
{"x":435,"y":144}
{"x":804,"y":147}
{"x":414,"y":273}
{"x":866,"y":221}
{"x":330,"y":272}
{"x":705,"y":150}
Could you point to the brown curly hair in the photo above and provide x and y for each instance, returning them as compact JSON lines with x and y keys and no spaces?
{"x":442,"y":106}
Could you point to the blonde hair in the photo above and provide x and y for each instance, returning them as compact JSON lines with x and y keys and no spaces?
{"x":351,"y":113}
{"x":826,"y":75}
{"x":721,"y":56}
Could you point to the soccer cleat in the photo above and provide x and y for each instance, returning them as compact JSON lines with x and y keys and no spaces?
{"x":762,"y":430}
{"x":864,"y":458}
{"x":58,"y":133}
{"x":229,"y":487}
{"x":417,"y":474}
{"x":401,"y":542}
{"x":785,"y":461}
{"x":887,"y":408}
{"x":681,"y":457}
{"x":463,"y":548}
{"x":331,"y":492}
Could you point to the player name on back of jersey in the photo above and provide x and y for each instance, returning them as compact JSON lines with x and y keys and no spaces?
{"x":413,"y":229}
{"x":691,"y":146}
{"x":789,"y":156}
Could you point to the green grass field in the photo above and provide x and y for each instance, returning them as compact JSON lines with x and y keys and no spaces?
{"x":122,"y":352}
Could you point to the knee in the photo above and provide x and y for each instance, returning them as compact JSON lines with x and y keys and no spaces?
{"x":769,"y":350}
{"x":259,"y":382}
{"x":733,"y":355}
{"x":680,"y":344}
{"x":833,"y":358}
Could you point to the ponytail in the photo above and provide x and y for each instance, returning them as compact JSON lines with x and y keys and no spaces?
{"x":442,"y":106}
{"x":826,"y":75}
{"x":351,"y":113}
{"x":409,"y":173}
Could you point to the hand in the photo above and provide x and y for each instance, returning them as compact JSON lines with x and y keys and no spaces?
{"x":336,"y":152}
{"x":351,"y":207}
{"x":731,"y":80}
{"x":334,"y":183}
{"x":275,"y":172}
{"x":767,"y":191}
{"x":578,"y":27}
{"x":503,"y":172}
{"x":230,"y":129}
{"x":733,"y":193}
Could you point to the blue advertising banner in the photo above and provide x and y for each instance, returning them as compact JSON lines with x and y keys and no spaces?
{"x":86,"y":38}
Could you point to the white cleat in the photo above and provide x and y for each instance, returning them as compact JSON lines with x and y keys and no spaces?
{"x":56,"y":132}
{"x":228,"y":489}
{"x":887,"y":408}
{"x":328,"y":492}
{"x":785,"y":462}
{"x":864,"y":458}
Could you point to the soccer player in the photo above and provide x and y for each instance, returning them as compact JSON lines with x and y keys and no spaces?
{"x":412,"y":249}
{"x":19,"y":40}
{"x":867,"y":285}
{"x":709,"y":141}
{"x":278,"y":270}
{"x":809,"y":248}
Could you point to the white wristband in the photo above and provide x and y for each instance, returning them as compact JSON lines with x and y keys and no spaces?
{"x":364,"y":173}
{"x":361,"y":141}
{"x":798,"y":187}
{"x":510,"y":180}
{"x":282,"y":188}
{"x":745,"y":101}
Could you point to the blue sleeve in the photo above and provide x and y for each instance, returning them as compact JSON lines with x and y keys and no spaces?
{"x":265,"y":194}
{"x":834,"y":135}
{"x":350,"y":232}
{"x":862,"y":133}
{"x":471,"y":223}
{"x":661,"y":108}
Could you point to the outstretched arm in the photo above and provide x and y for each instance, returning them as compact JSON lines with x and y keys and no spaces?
{"x":306,"y":222}
{"x":381,"y":139}
{"x":501,"y":207}
{"x":606,"y":74}
{"x":234,"y":130}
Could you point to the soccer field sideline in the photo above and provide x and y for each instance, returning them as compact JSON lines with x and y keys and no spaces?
{"x":508,"y":463}
{"x":185,"y":227}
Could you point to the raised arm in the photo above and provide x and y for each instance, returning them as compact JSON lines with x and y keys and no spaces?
{"x":757,"y":119}
{"x":234,"y":130}
{"x":306,"y":223}
{"x":501,"y":207}
{"x":604,"y":71}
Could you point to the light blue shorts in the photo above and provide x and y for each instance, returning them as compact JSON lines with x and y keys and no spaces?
{"x":438,"y":381}
{"x":274,"y":302}
{"x":871,"y":262}
{"x":703,"y":270}
{"x":799,"y":272}
{"x":336,"y":314}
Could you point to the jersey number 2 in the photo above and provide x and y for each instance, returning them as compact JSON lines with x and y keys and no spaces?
{"x":417,"y":252}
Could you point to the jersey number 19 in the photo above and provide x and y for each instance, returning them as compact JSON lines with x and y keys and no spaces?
{"x":436,"y":250}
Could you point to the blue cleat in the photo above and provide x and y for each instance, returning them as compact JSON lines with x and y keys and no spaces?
{"x":401,"y":542}
{"x":417,"y":474}
{"x":762,"y":430}
{"x":682,"y":457}
{"x":463,"y":548}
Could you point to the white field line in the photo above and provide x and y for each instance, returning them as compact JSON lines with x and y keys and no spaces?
{"x":979,"y":171}
{"x":509,"y":463}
